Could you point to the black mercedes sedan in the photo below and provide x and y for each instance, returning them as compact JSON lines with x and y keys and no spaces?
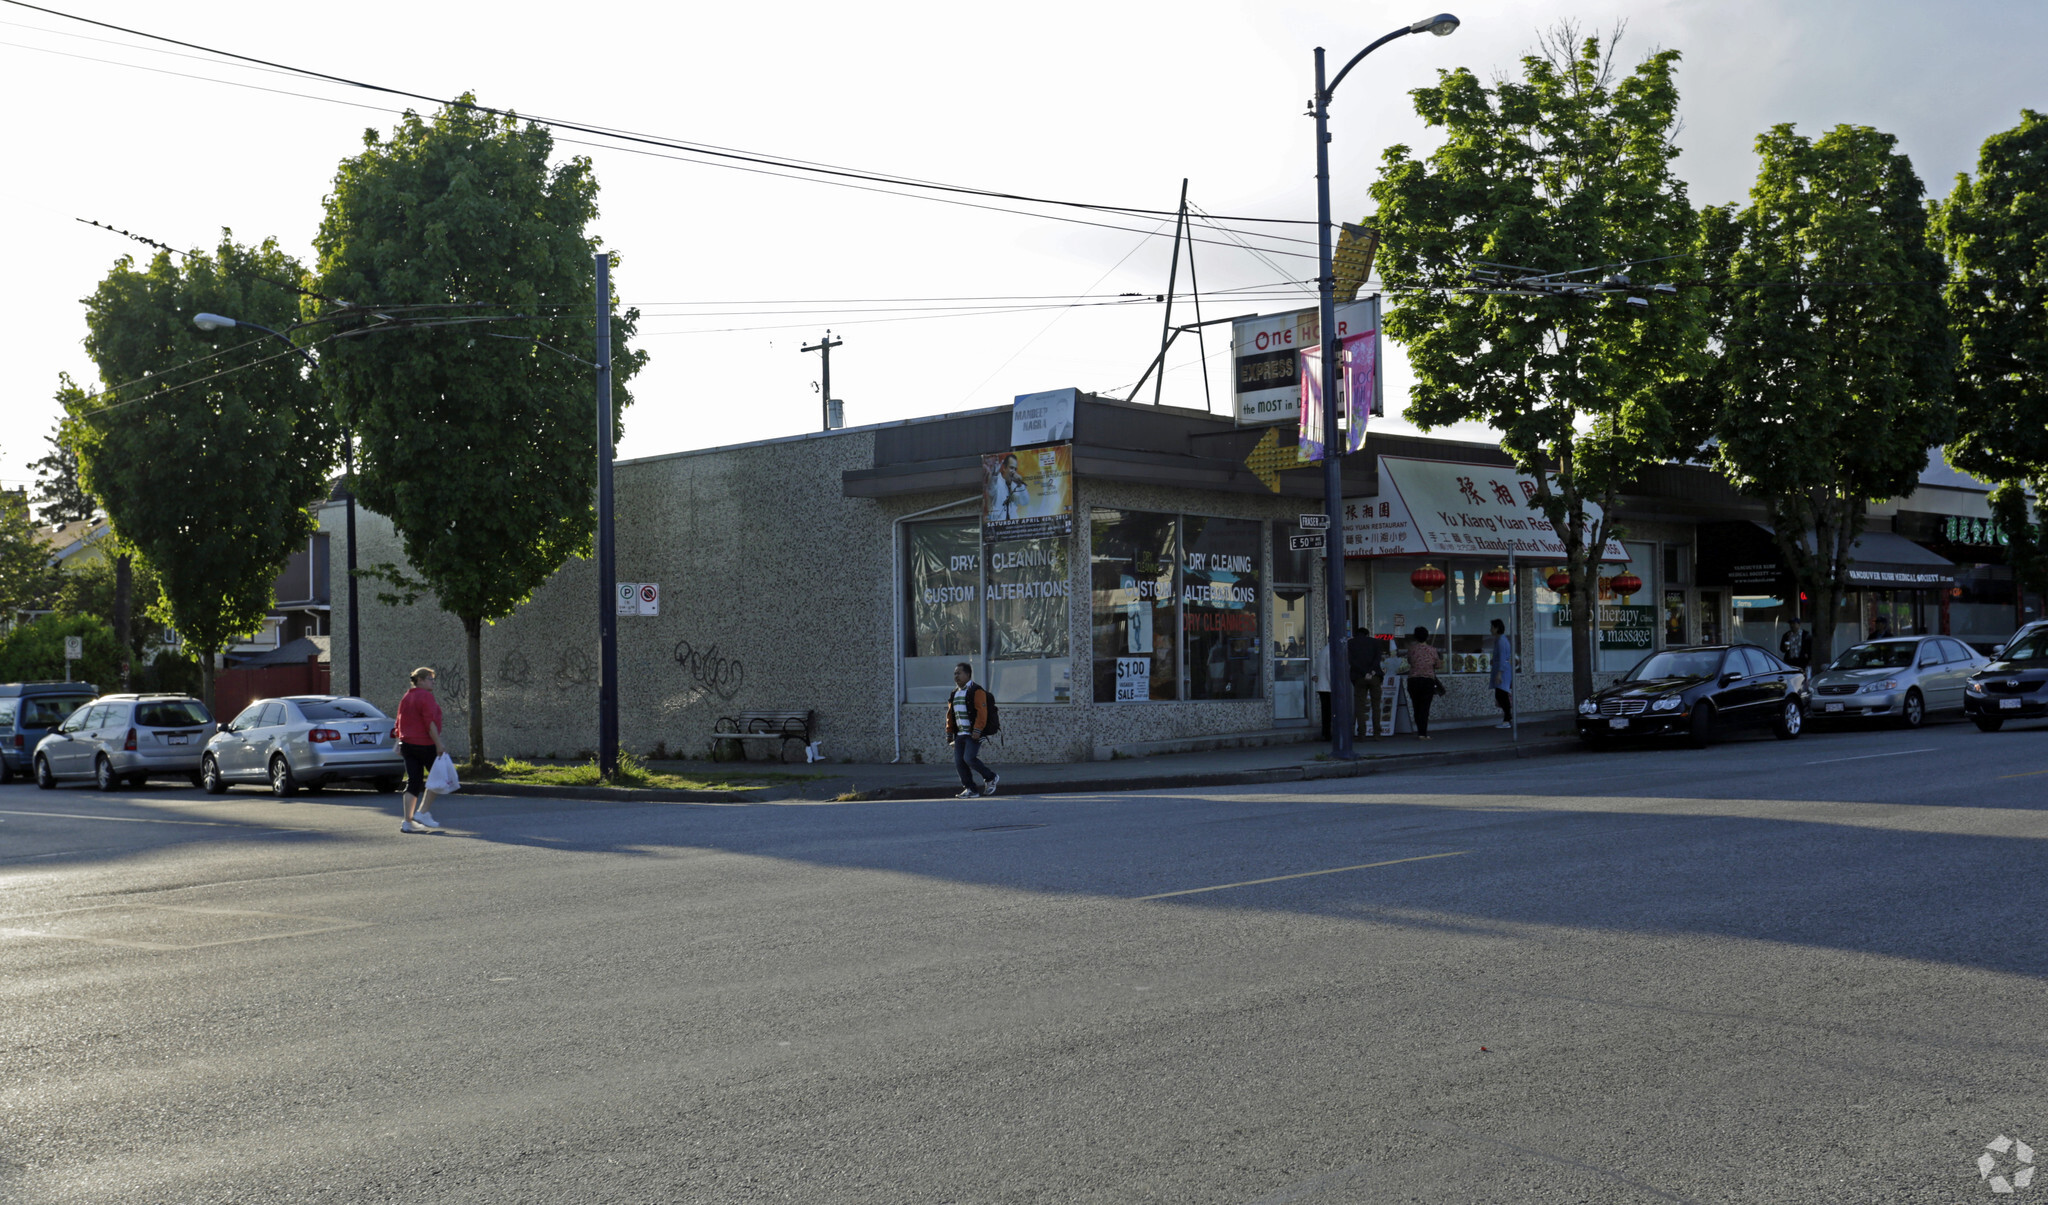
{"x":2015,"y":685}
{"x":1698,"y":693}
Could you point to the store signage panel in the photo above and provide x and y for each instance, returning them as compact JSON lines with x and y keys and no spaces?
{"x":1028,"y":493}
{"x":1445,"y":508}
{"x":1043,"y":418}
{"x":1266,"y":359}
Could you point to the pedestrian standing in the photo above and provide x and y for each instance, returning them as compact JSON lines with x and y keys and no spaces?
{"x":1368,"y":673}
{"x":1319,"y":671}
{"x":1795,"y":646}
{"x":1423,"y":685}
{"x":967,"y":718}
{"x":1881,"y":628}
{"x":419,"y":742}
{"x":1502,"y":676}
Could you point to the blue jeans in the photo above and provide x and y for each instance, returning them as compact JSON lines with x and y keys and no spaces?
{"x":967,"y":760}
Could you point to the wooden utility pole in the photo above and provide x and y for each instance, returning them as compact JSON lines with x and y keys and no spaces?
{"x":824,"y":348}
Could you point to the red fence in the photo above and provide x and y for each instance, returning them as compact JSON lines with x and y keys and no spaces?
{"x":234,"y":689}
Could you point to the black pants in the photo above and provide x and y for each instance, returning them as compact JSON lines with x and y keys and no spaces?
{"x":1505,"y":700}
{"x":1421,"y":693}
{"x":1324,"y":695}
{"x":967,"y":760}
{"x":418,"y":760}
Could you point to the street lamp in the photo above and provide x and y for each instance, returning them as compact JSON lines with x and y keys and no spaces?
{"x":214,"y":322}
{"x":1333,"y":466}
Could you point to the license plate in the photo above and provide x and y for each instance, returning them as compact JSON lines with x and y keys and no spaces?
{"x":2008,"y":704}
{"x":1617,"y":723}
{"x":178,"y":738}
{"x":1833,"y":707}
{"x":362,"y":738}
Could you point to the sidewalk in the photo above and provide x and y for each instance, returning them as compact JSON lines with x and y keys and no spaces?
{"x":1549,"y":733}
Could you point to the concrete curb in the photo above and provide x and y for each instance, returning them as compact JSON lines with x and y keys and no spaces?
{"x":1307,"y":772}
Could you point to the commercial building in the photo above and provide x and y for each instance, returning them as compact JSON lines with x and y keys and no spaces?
{"x":1123,"y":578}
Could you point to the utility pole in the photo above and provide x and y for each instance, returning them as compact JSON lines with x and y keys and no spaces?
{"x":607,"y":575}
{"x":1172,"y":282}
{"x":824,"y":348}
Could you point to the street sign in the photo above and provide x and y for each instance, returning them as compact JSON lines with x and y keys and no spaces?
{"x":1308,"y":543}
{"x":639,"y":598}
{"x":1317,"y":522}
{"x":74,"y":648}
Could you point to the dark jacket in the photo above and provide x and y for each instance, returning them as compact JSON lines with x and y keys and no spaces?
{"x":1795,"y":647}
{"x":1366,"y":652}
{"x":977,"y":710}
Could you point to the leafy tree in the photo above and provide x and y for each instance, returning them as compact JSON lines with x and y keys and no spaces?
{"x":481,"y":451}
{"x":34,"y":652}
{"x":1833,"y":376}
{"x":1567,"y":168}
{"x":94,"y":589}
{"x":1994,"y":230}
{"x":25,"y":579}
{"x":209,"y":460}
{"x":59,"y":496}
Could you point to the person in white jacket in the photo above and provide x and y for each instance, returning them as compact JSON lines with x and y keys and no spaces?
{"x":1319,"y":674}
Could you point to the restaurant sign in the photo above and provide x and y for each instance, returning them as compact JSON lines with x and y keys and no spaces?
{"x":1446,"y":508}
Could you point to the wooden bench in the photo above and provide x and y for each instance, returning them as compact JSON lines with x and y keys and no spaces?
{"x":793,"y":729}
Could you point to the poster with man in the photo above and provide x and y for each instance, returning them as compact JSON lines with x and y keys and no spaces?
{"x":1028,"y":493}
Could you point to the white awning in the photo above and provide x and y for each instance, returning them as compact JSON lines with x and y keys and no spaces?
{"x":1445,"y":508}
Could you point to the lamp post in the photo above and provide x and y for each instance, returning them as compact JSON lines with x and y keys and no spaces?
{"x":1441,"y":25}
{"x":214,"y":322}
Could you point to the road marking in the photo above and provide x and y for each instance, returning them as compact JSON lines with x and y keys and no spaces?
{"x":1306,"y":874}
{"x":154,"y":820}
{"x":1867,"y":756}
{"x":2028,"y":774}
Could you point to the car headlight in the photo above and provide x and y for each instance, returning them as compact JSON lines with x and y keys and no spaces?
{"x":1874,"y":687}
{"x":1975,"y":688}
{"x":1667,"y":703}
{"x":1589,"y":707}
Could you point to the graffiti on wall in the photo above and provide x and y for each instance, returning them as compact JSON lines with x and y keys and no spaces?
{"x":721,"y":676}
{"x":515,"y":670}
{"x":575,"y":670}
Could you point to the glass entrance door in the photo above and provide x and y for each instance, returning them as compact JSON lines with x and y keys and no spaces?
{"x":1290,"y":654}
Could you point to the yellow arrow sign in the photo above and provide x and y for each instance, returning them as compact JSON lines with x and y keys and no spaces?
{"x":1269,"y":458}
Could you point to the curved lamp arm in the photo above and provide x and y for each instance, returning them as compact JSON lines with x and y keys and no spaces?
{"x":1442,"y":25}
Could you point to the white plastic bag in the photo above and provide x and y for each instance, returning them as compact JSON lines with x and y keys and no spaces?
{"x":441,"y":779}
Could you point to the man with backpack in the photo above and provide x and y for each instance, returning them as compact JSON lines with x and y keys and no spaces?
{"x":971,"y":716}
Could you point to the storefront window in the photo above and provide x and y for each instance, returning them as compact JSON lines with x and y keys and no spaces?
{"x":1133,"y":582}
{"x":1027,"y":621}
{"x":1399,"y":607}
{"x":1473,"y":608}
{"x":1628,"y":624}
{"x":1290,"y":653}
{"x":943,"y":618}
{"x":1550,"y":645}
{"x":1220,"y":606}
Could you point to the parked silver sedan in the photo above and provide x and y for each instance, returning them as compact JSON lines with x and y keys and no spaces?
{"x":304,"y":741}
{"x":1905,"y":678}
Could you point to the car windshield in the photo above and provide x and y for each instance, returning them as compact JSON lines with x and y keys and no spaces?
{"x":339,"y":709}
{"x":171,"y":713}
{"x":2031,"y":647}
{"x":48,"y":711}
{"x":1877,"y":656}
{"x":1696,"y":663}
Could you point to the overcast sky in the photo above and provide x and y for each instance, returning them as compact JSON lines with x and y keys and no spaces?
{"x":1096,"y":102}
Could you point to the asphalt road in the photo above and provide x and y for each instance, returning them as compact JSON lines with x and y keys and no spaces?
{"x":1805,"y":971}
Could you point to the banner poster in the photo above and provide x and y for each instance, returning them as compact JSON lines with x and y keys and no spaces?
{"x":1043,"y":418}
{"x":1028,"y":493}
{"x":1266,"y":359}
{"x":1358,"y":369}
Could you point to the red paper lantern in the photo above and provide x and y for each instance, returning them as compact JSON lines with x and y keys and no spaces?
{"x":1560,"y":581}
{"x":1626,"y":584}
{"x":1497,"y":580}
{"x":1428,"y":579}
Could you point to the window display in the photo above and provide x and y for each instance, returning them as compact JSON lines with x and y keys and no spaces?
{"x":1474,"y":605}
{"x":1027,"y":621}
{"x":1133,"y":582}
{"x":1220,"y":606}
{"x":943,"y":616}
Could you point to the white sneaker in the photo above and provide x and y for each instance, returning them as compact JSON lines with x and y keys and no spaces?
{"x":968,"y":793}
{"x":414,"y":826}
{"x":1503,"y":725}
{"x":426,"y":819}
{"x":989,"y":787}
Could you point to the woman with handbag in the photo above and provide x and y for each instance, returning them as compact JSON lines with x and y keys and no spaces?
{"x":419,"y":742}
{"x":1423,"y":685}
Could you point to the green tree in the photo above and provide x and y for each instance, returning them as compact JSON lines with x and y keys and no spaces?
{"x":26,"y":582}
{"x":481,"y":451}
{"x":59,"y":495}
{"x":34,"y":652}
{"x":1833,"y":375}
{"x":1567,"y":168}
{"x":1994,"y":231}
{"x":208,"y":459}
{"x":94,"y":590}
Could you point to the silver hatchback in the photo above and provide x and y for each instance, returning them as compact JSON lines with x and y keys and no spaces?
{"x":126,"y":738}
{"x":1905,"y":678}
{"x":304,"y":741}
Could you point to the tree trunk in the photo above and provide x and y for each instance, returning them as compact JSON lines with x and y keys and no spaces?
{"x":206,"y":681}
{"x":1582,"y":564}
{"x":473,"y":631}
{"x":124,"y":587}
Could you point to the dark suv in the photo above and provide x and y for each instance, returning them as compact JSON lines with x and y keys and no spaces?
{"x":27,"y":711}
{"x":2015,"y":685}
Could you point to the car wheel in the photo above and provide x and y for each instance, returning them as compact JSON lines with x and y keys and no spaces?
{"x":6,"y":773}
{"x":103,"y":775}
{"x":282,"y":782}
{"x":1701,"y":733}
{"x":1790,"y":721}
{"x":1985,"y":723}
{"x":210,"y":780}
{"x":1913,"y":712}
{"x":48,"y":781}
{"x":384,"y":786}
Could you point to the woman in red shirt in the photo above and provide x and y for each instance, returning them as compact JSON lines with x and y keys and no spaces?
{"x":419,"y":741}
